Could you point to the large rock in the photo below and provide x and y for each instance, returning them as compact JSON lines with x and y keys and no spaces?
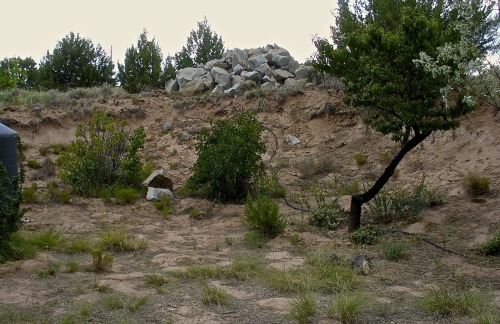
{"x":279,"y":51}
{"x":264,"y":70}
{"x":281,"y":75}
{"x":220,"y":75}
{"x":239,"y":56}
{"x":291,"y":83}
{"x":194,"y":86}
{"x":304,"y":72}
{"x":231,"y":92}
{"x":291,"y":140}
{"x":268,"y":79}
{"x":189,"y":74}
{"x":157,"y":194}
{"x":268,"y":86}
{"x":235,"y":79}
{"x":281,"y":60}
{"x":220,"y":88}
{"x":171,"y":85}
{"x":159,"y":179}
{"x":238,"y":69}
{"x":293,"y":66}
{"x":252,"y":76}
{"x":208,"y":81}
{"x":255,"y":51}
{"x":256,"y":60}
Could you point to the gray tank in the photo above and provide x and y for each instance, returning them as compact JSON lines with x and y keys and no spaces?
{"x":8,"y":149}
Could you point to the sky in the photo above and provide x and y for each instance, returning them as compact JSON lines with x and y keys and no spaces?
{"x":29,"y":28}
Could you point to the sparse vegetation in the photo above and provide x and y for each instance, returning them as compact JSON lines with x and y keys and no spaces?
{"x":304,"y":308}
{"x":366,"y":235}
{"x":120,"y":241}
{"x":443,"y":302}
{"x":360,"y":159}
{"x":394,"y":251}
{"x":492,"y":246}
{"x":327,"y":213}
{"x":347,"y":306}
{"x":214,"y":296}
{"x":164,"y":205}
{"x":101,"y":261}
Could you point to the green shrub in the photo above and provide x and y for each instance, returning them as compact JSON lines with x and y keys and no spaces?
{"x":477,"y":184}
{"x":11,"y":196}
{"x":263,"y":215}
{"x":101,"y":261}
{"x":304,"y":308}
{"x":445,"y":303}
{"x":367,"y":235}
{"x":254,"y":240}
{"x":327,"y":212}
{"x":228,"y":158}
{"x":165,"y":205}
{"x":214,"y":296}
{"x":44,"y":150}
{"x":394,"y":251}
{"x":126,"y":195}
{"x":29,"y":194}
{"x":33,"y":164}
{"x":103,"y":155}
{"x":348,"y":306}
{"x":360,"y":159}
{"x":492,"y":246}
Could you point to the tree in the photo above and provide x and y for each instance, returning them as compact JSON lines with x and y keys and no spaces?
{"x":202,"y":46}
{"x":399,"y":60}
{"x":75,"y":62}
{"x":142,"y":66}
{"x":168,"y":69}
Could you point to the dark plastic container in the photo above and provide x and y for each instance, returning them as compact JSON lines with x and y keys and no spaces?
{"x":8,"y":150}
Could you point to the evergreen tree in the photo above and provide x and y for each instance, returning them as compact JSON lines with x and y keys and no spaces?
{"x":202,"y":46}
{"x":399,"y":60}
{"x":75,"y":62}
{"x":142,"y":67}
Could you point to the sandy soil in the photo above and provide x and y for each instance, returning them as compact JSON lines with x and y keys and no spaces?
{"x":394,"y":289}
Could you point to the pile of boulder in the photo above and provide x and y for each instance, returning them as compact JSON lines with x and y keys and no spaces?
{"x":270,"y":67}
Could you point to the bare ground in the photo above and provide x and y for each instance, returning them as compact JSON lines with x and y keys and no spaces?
{"x":394,"y":289}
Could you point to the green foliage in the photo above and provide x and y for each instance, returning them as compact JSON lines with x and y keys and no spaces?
{"x":120,"y":241}
{"x":254,"y":240}
{"x":492,"y":246}
{"x":142,"y":67}
{"x":304,"y":308}
{"x":101,"y":261}
{"x":347,"y":306}
{"x":126,"y":195}
{"x":33,"y":164}
{"x":214,"y":296}
{"x":484,"y":84}
{"x":394,"y":251}
{"x":327,"y":212}
{"x":228,"y":158}
{"x":477,"y":184}
{"x":202,"y":45}
{"x":366,"y":235}
{"x":11,"y":196}
{"x":103,"y":155}
{"x":360,"y":158}
{"x":401,"y":204}
{"x":445,"y":303}
{"x":75,"y":62}
{"x":29,"y":194}
{"x":19,"y":73}
{"x":165,"y":205}
{"x":263,"y":216}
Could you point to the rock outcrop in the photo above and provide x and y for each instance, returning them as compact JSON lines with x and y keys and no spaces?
{"x":270,"y":67}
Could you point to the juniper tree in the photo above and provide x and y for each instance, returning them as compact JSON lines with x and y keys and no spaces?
{"x":399,"y":61}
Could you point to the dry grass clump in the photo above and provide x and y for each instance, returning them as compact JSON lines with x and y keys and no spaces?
{"x":476,"y":184}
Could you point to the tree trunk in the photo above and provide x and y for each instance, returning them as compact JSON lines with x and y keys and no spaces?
{"x":357,"y":201}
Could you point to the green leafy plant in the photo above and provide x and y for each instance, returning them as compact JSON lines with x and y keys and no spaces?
{"x":492,"y":246}
{"x":327,"y":212}
{"x":103,"y":155}
{"x":263,"y":216}
{"x":228,"y":158}
{"x":367,"y":235}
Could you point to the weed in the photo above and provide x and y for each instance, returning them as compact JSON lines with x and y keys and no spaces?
{"x":304,"y":308}
{"x":59,"y":148}
{"x":44,"y":150}
{"x":270,"y":186}
{"x":49,"y":239}
{"x":254,"y":240}
{"x":33,"y":164}
{"x":309,"y":167}
{"x":157,"y":281}
{"x":476,"y":184}
{"x":135,"y":303}
{"x":51,"y":270}
{"x":126,"y":196}
{"x":114,"y":302}
{"x":366,"y":235}
{"x":165,"y":205}
{"x":229,"y":241}
{"x":196,"y":213}
{"x":120,"y":241}
{"x":214,"y":296}
{"x":492,"y":246}
{"x":97,"y":286}
{"x":327,"y":212}
{"x":360,"y":158}
{"x":70,"y":266}
{"x":347,"y":306}
{"x":30,"y":194}
{"x":445,"y":303}
{"x":263,"y":216}
{"x":101,"y":261}
{"x":394,"y":251}
{"x":78,"y":246}
{"x":16,"y":247}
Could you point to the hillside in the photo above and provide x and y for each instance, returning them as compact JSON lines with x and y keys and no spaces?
{"x":330,"y":134}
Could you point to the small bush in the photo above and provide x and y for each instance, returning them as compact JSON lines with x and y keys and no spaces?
{"x":263,"y":215}
{"x":347,"y":306}
{"x":304,"y":308}
{"x":30,"y":194}
{"x":254,"y":240}
{"x":310,"y":167}
{"x":165,"y":205}
{"x":477,"y":184}
{"x":44,"y":150}
{"x":394,"y":251}
{"x":214,"y":296}
{"x":492,"y":246}
{"x":126,"y":196}
{"x":366,"y":235}
{"x":327,"y":212}
{"x":101,"y":261}
{"x":120,"y":241}
{"x":443,"y":302}
{"x":229,"y":158}
{"x":103,"y":155}
{"x":33,"y":164}
{"x":360,"y":159}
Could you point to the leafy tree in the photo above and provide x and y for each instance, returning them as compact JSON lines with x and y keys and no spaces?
{"x":104,"y":155}
{"x":16,"y":72}
{"x":228,"y":158}
{"x":399,"y":60}
{"x":75,"y":62}
{"x":142,"y":67}
{"x":10,"y":200}
{"x":202,"y":46}
{"x":168,"y":69}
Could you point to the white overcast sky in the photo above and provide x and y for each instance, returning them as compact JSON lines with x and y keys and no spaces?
{"x":31,"y":27}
